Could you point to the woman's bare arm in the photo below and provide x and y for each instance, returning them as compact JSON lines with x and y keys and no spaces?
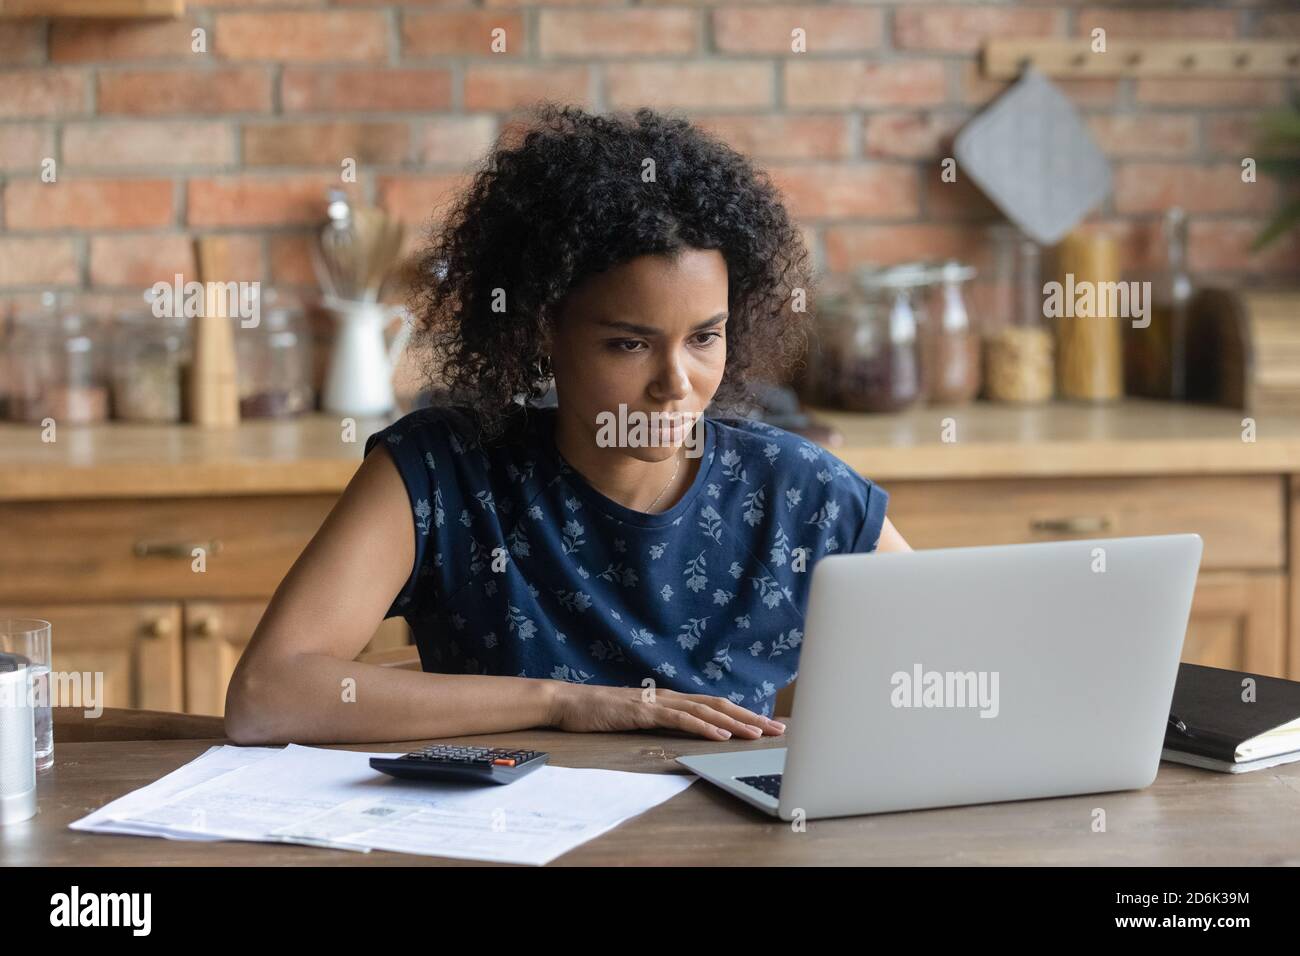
{"x":890,"y":539}
{"x":298,"y":680}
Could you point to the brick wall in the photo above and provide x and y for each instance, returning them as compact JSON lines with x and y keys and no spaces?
{"x":156,"y":143}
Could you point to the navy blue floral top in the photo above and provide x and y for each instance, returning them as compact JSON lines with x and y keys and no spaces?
{"x":522,"y":568}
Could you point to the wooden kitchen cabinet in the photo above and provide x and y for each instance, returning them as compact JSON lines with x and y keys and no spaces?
{"x":106,"y":520}
{"x":216,"y":633}
{"x":135,"y":645}
{"x":1238,"y":617}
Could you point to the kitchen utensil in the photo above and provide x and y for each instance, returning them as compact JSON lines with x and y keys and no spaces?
{"x":1032,"y":155}
{"x":214,"y":379}
{"x":359,"y":380}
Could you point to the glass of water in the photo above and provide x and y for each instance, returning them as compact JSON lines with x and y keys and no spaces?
{"x":30,"y":638}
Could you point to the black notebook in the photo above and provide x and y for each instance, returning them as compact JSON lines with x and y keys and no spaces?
{"x":1225,"y":729}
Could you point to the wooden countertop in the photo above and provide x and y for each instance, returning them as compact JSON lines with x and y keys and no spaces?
{"x":308,"y":455}
{"x":1187,"y":817}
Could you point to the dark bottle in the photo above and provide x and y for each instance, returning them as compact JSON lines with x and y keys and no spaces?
{"x":1155,"y":357}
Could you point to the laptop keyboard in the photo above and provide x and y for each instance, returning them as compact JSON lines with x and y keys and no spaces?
{"x":769,"y":783}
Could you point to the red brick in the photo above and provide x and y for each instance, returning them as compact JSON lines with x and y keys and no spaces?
{"x":462,"y":32}
{"x":843,"y":84}
{"x":22,"y":42}
{"x":88,"y":204}
{"x":606,"y":33}
{"x":230,"y":4}
{"x":1238,"y":135}
{"x":147,"y":144}
{"x":455,"y":139}
{"x":779,"y":136}
{"x":824,"y":191}
{"x":102,"y":41}
{"x":163,"y":92}
{"x":350,"y":36}
{"x":1208,"y":92}
{"x":254,"y":200}
{"x":28,"y":261}
{"x":1154,"y":187}
{"x":291,"y":260}
{"x":1167,"y":23}
{"x":690,"y":85}
{"x":1144,"y":134}
{"x":1218,"y":244}
{"x":850,"y":246}
{"x":964,"y":29}
{"x":1274,"y":25}
{"x":124,"y":259}
{"x":25,"y":146}
{"x":767,"y":29}
{"x":416,"y":199}
{"x":320,"y":91}
{"x":141,"y":259}
{"x":325,"y":144}
{"x":960,"y":199}
{"x":910,"y":135}
{"x":516,"y":4}
{"x":48,"y":92}
{"x":508,"y":87}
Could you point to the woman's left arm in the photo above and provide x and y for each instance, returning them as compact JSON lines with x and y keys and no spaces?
{"x":890,"y":539}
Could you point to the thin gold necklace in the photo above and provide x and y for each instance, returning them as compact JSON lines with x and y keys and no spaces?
{"x":676,"y":468}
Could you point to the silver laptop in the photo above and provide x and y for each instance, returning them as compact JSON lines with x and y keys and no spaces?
{"x":972,"y":675}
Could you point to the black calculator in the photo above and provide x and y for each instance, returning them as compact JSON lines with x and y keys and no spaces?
{"x":474,"y":764}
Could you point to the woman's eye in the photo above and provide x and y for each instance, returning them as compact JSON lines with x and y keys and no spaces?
{"x":618,"y":346}
{"x":711,"y":338}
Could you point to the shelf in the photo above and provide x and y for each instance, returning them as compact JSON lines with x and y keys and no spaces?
{"x":1075,"y":59}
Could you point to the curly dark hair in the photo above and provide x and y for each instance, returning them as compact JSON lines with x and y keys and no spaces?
{"x":561,"y":197}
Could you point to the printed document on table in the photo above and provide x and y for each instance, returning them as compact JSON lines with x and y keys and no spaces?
{"x":334,"y":798}
{"x":214,"y":762}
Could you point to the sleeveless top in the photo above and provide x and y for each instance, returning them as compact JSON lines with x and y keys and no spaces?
{"x":523,"y":568}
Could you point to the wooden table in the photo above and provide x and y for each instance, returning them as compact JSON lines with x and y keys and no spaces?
{"x":1187,"y":817}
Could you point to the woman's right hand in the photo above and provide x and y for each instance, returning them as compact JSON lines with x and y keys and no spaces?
{"x":586,"y":708}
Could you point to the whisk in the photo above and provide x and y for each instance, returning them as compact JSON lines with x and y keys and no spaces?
{"x":358,"y":250}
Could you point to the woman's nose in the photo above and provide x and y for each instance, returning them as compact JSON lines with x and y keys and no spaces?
{"x":673,"y":382}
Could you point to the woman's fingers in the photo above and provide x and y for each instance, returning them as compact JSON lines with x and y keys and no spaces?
{"x":681,"y":720}
{"x":734,"y":710}
{"x":717,"y":718}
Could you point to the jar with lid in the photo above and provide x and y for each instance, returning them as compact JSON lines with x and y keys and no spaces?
{"x":151,"y":355}
{"x":950,"y":349}
{"x":57,"y":365}
{"x":1019,"y":348}
{"x":274,"y":359}
{"x":867,"y":357}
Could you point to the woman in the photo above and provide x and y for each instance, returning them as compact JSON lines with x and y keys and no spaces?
{"x":556,"y":570}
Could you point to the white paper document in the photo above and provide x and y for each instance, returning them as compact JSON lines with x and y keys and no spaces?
{"x":333,"y":798}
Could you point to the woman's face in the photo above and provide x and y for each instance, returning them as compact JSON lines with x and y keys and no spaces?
{"x":649,"y":334}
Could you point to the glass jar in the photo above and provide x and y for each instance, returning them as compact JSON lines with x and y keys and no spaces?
{"x":867,"y":356}
{"x":950,"y":349}
{"x":275,"y":363}
{"x":1019,"y":353}
{"x":151,"y":355}
{"x":57,"y":365}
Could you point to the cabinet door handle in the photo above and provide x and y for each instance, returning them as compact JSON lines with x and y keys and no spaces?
{"x":174,"y":549}
{"x":158,"y":627}
{"x":208,"y":626}
{"x":1076,"y":524}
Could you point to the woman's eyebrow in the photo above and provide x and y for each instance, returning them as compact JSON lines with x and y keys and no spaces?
{"x":650,"y":330}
